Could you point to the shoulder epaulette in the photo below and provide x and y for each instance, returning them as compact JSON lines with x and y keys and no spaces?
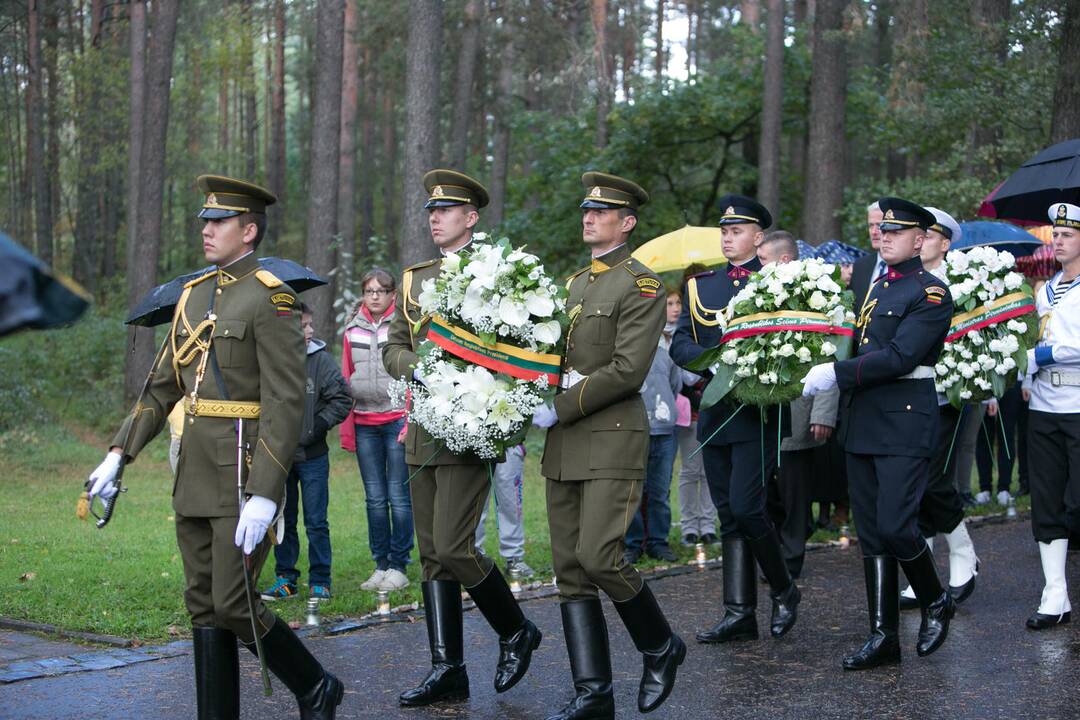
{"x":570,"y":278}
{"x":196,"y":281}
{"x":268,"y":278}
{"x":423,"y":264}
{"x":703,"y":273}
{"x":635,"y":267}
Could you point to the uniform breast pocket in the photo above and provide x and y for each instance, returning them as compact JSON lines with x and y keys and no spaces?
{"x":230,"y":344}
{"x":598,"y":320}
{"x":908,"y":425}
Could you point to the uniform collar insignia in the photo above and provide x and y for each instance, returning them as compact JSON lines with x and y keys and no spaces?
{"x":736,"y":272}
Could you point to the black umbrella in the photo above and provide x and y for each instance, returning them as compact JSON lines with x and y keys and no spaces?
{"x":1052,"y":176}
{"x":31,"y":296}
{"x":157,"y":307}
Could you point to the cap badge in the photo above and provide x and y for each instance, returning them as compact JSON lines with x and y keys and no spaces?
{"x":211,"y":199}
{"x":1063,"y":211}
{"x":730,"y":210}
{"x":595,"y":192}
{"x":889,"y":215}
{"x":437,"y":191}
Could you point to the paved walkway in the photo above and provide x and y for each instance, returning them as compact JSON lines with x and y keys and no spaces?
{"x":991,"y":667}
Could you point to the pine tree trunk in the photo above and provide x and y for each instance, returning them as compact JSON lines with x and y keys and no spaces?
{"x":37,"y":129}
{"x":390,"y":185}
{"x":1065,"y":124}
{"x":661,"y":61}
{"x":421,"y":125}
{"x":463,"y":86}
{"x":146,"y":244}
{"x":367,"y":152}
{"x":772,"y":109}
{"x":275,"y":166}
{"x":825,"y":154}
{"x":598,"y":10}
{"x":350,"y":96}
{"x":86,"y":265}
{"x":324,"y":158}
{"x":500,"y":165}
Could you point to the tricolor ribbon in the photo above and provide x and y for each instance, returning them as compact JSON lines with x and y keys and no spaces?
{"x":1002,"y":309}
{"x":500,"y":357}
{"x":785,"y":320}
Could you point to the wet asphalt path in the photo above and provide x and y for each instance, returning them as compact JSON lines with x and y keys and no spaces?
{"x":991,"y":666}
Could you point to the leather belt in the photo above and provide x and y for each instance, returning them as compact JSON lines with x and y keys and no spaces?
{"x":922,"y":372}
{"x":1058,"y":378}
{"x":247,"y":410}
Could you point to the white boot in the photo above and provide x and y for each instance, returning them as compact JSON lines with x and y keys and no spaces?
{"x":908,"y":601}
{"x":963,"y":564}
{"x":1055,"y":596}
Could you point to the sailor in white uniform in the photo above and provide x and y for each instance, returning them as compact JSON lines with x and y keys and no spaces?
{"x":1053,"y":390}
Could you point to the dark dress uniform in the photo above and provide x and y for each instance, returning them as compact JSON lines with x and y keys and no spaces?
{"x":594,"y":461}
{"x":448,"y":493}
{"x":740,"y":448}
{"x":889,"y":438}
{"x":235,"y":357}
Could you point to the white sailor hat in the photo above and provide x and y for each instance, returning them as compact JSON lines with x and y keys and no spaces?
{"x":1064,"y":215}
{"x":945,"y":224}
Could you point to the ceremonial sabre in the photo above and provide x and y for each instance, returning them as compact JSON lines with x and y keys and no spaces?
{"x":108,"y":505}
{"x":249,"y":563}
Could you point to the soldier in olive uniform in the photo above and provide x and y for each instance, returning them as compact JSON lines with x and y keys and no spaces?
{"x":235,"y":357}
{"x":596,"y":452}
{"x":449,"y":491}
{"x":739,"y":442}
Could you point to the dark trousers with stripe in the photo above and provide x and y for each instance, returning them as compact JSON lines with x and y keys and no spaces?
{"x":737,"y":473}
{"x":886,"y":492}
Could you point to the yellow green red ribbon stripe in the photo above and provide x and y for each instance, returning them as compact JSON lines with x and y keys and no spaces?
{"x":784,"y":321}
{"x":1002,"y":309}
{"x":500,"y":357}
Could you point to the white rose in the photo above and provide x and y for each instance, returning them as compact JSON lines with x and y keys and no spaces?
{"x":804,"y":355}
{"x":816,"y":301}
{"x":786,"y":350}
{"x":965,"y":394}
{"x":827,"y":348}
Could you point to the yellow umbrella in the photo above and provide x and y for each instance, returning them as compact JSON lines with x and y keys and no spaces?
{"x":676,"y":250}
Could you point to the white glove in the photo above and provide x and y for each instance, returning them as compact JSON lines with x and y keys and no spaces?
{"x":544,"y":416}
{"x":1033,"y":366}
{"x":104,"y":477}
{"x":256,"y":516}
{"x":418,"y":377}
{"x":820,"y":378}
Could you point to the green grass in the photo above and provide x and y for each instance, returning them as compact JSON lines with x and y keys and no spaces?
{"x":127,"y":579}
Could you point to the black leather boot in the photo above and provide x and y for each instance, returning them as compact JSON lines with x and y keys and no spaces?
{"x":662,"y":650}
{"x":590,"y":661}
{"x":518,"y":637}
{"x":318,"y":693}
{"x":937,"y":604}
{"x":448,"y":679}
{"x":740,"y":595}
{"x":783,"y":591}
{"x":217,"y":673}
{"x":882,"y":598}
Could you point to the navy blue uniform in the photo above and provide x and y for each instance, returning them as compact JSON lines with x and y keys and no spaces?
{"x":733,"y":457}
{"x":892,"y":406}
